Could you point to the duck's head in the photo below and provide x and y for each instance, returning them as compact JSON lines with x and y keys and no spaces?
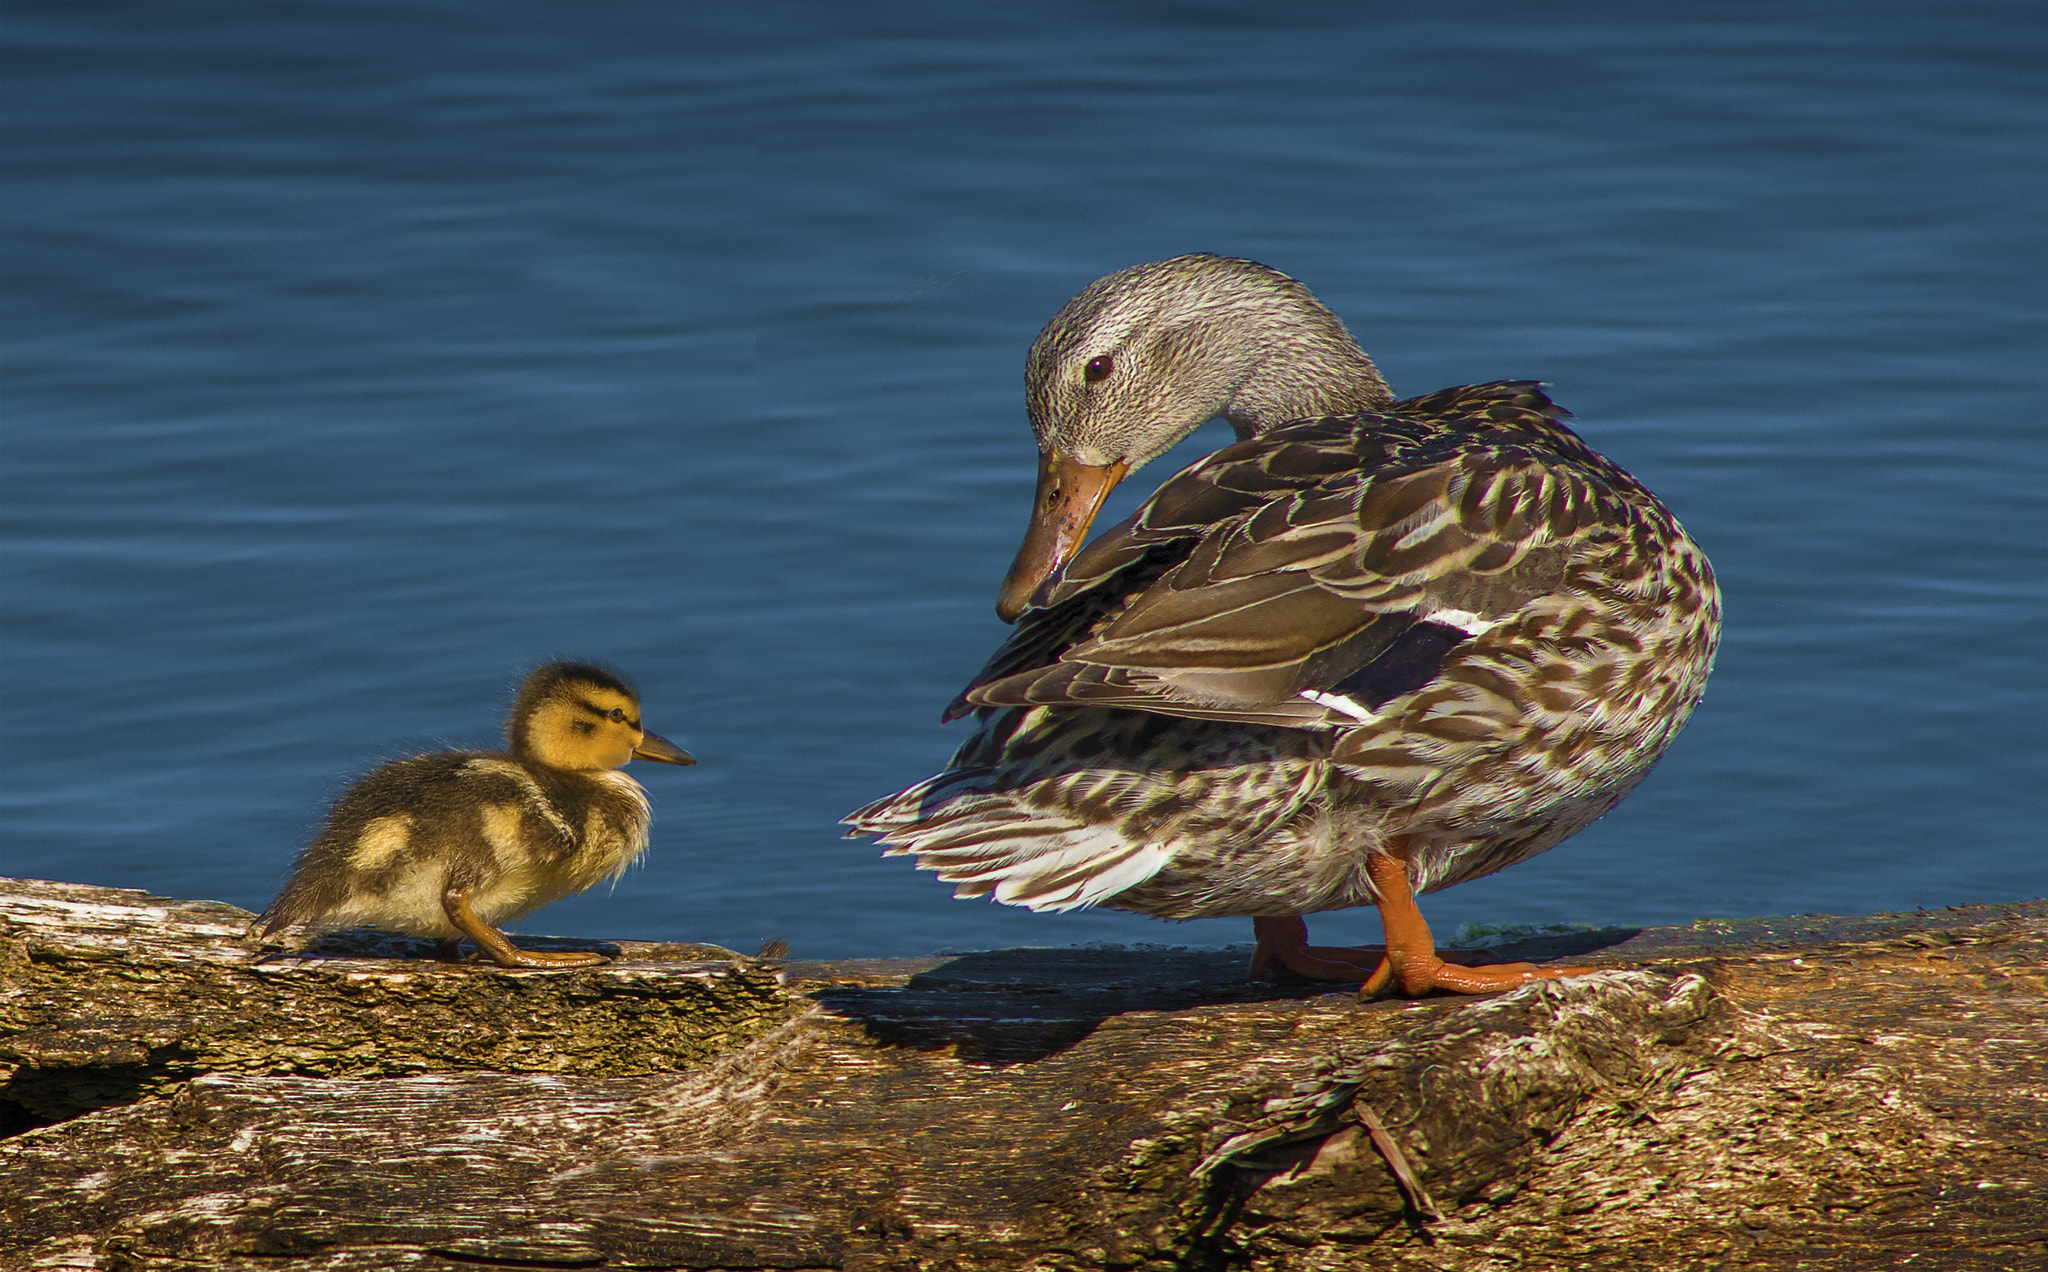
{"x":572,"y":716}
{"x":1146,"y":355}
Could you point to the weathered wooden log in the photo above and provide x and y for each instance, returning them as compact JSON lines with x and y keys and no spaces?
{"x":108,"y":995}
{"x":1819,"y":1093}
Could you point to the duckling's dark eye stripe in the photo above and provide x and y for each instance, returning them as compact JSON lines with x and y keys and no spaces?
{"x":616,"y":715}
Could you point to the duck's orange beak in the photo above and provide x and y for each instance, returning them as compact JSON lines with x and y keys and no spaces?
{"x":1069,"y":496}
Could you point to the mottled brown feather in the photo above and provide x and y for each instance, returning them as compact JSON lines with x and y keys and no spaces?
{"x":1499,"y":631}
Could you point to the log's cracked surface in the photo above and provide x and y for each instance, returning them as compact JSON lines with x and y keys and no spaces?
{"x":107,"y":995}
{"x":1810,"y":1093}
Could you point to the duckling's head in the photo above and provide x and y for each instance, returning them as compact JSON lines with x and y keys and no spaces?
{"x":1143,"y":357}
{"x":578,"y":717}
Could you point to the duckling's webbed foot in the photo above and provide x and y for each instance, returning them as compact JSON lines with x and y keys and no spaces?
{"x":455,"y":902}
{"x":513,"y":956}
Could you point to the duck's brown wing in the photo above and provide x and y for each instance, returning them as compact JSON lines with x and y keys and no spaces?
{"x":1307,"y":577}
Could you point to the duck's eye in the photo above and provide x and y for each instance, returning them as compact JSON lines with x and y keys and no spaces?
{"x":615,"y":715}
{"x":1098,"y":368}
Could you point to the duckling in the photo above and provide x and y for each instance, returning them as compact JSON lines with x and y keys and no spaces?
{"x":454,"y":843}
{"x":1375,"y":648}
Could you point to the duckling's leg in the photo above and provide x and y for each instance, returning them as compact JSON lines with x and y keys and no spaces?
{"x":1411,"y":958}
{"x":455,"y":901}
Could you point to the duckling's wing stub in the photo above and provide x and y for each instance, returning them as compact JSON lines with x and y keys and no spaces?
{"x":405,"y":817}
{"x":1345,"y":561}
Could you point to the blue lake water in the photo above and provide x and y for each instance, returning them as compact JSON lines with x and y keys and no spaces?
{"x":359,"y":356}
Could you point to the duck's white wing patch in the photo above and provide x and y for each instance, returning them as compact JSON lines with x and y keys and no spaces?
{"x":1464,"y":620}
{"x":1341,"y":705}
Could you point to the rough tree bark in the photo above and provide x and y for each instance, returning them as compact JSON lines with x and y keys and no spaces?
{"x":1813,"y":1093}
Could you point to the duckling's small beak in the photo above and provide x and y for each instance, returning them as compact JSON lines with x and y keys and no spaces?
{"x":1070,"y":493}
{"x":653,"y":746}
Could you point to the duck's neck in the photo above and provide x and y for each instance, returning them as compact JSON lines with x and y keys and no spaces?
{"x":1308,"y":367}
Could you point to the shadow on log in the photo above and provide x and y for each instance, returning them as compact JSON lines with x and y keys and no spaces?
{"x":1810,"y":1092}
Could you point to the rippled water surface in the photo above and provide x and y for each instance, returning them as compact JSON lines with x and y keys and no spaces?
{"x":358,"y":357}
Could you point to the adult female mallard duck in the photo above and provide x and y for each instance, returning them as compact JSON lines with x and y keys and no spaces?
{"x":1373,"y":648}
{"x":455,"y":843}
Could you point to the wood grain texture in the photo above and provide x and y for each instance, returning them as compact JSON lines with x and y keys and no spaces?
{"x":107,"y":994}
{"x":1790,"y":1093}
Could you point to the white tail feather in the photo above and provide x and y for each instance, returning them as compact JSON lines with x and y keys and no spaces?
{"x":1032,"y":864}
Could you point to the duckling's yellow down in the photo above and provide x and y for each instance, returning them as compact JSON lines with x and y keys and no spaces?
{"x":455,"y":843}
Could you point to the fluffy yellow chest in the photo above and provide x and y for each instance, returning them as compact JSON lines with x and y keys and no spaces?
{"x":607,"y":834}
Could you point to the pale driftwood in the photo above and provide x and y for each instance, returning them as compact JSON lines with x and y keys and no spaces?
{"x":1816,"y":1093}
{"x":109,"y":994}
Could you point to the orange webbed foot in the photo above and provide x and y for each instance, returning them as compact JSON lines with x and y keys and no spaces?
{"x":1283,"y":944}
{"x":1415,"y":976}
{"x":1412,"y":964}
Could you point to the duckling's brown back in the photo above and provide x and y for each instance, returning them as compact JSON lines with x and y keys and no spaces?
{"x":398,"y":838}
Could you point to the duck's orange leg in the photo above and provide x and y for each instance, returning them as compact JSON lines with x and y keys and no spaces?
{"x":455,"y":904}
{"x":1411,"y":963}
{"x":1283,"y":942}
